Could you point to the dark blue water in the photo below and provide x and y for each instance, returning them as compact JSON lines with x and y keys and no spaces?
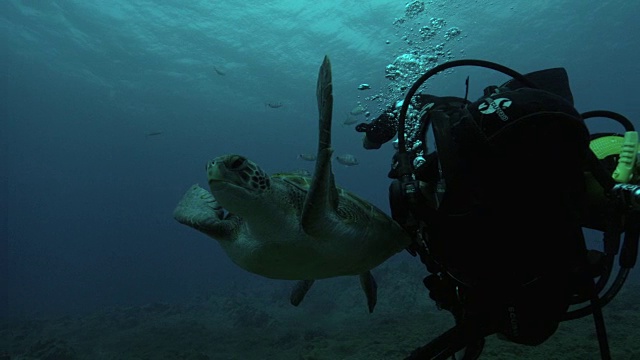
{"x":87,"y":194}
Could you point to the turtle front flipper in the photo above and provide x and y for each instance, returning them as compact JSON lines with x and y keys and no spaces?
{"x":319,"y":212}
{"x":370,"y":288}
{"x":200,"y":210}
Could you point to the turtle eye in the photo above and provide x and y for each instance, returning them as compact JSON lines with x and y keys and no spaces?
{"x":237,"y":162}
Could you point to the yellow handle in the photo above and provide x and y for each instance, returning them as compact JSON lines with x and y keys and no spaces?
{"x":627,"y":160}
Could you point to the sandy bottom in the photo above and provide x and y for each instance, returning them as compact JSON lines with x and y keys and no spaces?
{"x":331,"y":323}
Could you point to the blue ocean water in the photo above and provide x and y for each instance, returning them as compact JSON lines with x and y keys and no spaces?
{"x":110,"y":110}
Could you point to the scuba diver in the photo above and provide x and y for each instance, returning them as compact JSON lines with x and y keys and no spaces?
{"x":497,"y":209}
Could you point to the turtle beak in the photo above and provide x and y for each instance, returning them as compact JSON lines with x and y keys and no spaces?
{"x":213,"y":172}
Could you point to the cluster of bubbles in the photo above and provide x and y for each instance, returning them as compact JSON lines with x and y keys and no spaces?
{"x":425,"y":43}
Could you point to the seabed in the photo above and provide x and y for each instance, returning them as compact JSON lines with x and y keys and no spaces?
{"x":331,"y":323}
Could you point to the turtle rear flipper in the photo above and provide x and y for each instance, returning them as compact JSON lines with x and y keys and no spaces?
{"x":299,"y":290}
{"x":368,"y":283}
{"x":370,"y":288}
{"x":200,"y":210}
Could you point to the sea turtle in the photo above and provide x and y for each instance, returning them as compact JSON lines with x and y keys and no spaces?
{"x":290,"y":226}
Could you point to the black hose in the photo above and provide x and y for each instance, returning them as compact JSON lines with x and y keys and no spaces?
{"x":448,"y":65}
{"x":628,"y":125}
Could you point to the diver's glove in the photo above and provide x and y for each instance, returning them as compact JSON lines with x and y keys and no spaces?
{"x":367,"y":143}
{"x":378,"y":131}
{"x":363,"y":127}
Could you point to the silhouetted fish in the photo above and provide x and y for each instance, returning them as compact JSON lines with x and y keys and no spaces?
{"x":301,"y":172}
{"x":219,"y":72}
{"x":307,"y":157}
{"x":347,"y":160}
{"x":274,"y":105}
{"x":349,"y":120}
{"x":359,"y":109}
{"x":153,"y":133}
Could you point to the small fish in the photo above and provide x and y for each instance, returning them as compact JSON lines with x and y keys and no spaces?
{"x":349,"y":120}
{"x":153,"y":133}
{"x":347,"y":160}
{"x":274,"y":105}
{"x":307,"y":157}
{"x":301,"y":172}
{"x":359,"y":109}
{"x":219,"y":72}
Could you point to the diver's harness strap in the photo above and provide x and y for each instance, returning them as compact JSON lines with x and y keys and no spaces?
{"x":627,"y":195}
{"x":453,"y":341}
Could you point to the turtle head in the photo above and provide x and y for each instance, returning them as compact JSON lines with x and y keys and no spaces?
{"x":237,"y":183}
